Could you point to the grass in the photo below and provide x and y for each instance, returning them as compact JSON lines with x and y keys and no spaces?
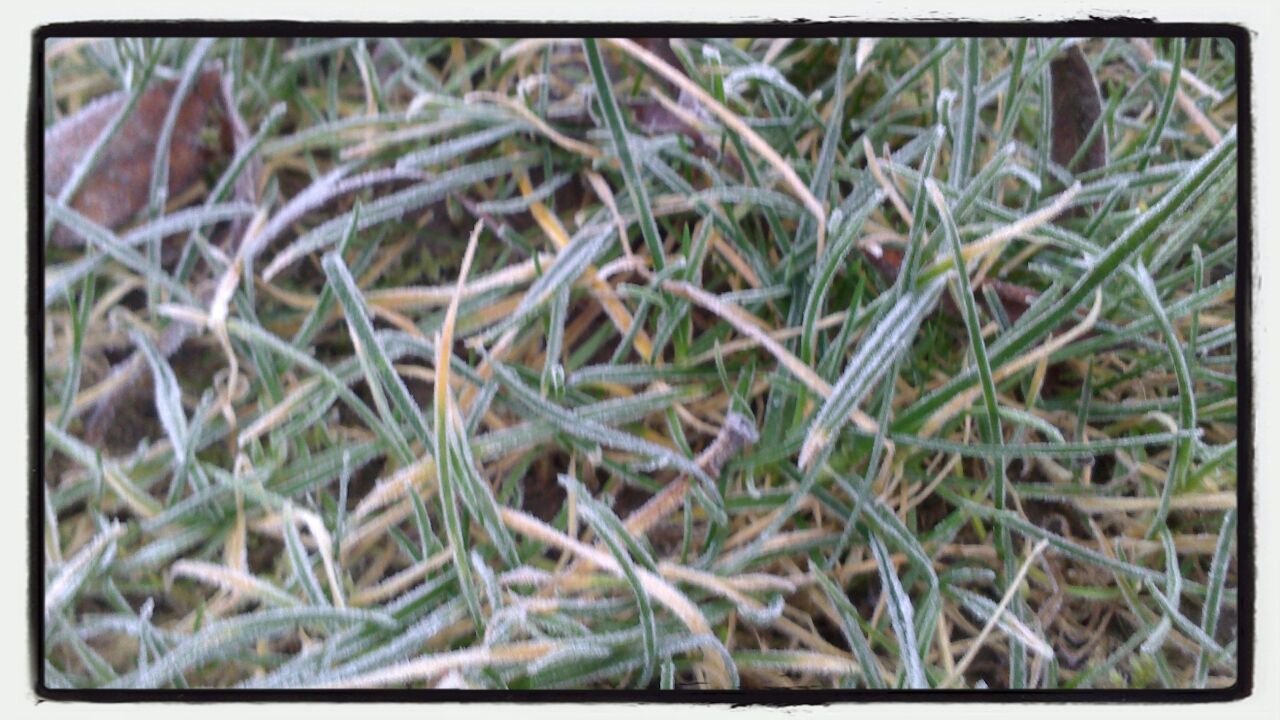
{"x":576,"y":364}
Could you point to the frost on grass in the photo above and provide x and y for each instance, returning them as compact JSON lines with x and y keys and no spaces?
{"x":692,"y":363}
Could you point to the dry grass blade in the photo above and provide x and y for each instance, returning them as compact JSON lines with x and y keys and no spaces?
{"x":657,"y":588}
{"x":419,"y":298}
{"x":234,"y":580}
{"x":977,"y":643}
{"x":730,"y":119}
{"x":736,"y":433}
{"x":603,"y":292}
{"x":1193,"y":111}
{"x":430,"y":666}
{"x":588,"y":151}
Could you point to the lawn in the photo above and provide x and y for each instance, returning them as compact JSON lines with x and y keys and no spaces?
{"x":693,"y":363}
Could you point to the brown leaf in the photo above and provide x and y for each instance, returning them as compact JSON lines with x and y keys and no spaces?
{"x":1077,"y":105}
{"x":116,"y":190}
{"x":120,"y":183}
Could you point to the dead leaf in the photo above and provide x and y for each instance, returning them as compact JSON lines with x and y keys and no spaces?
{"x":118,"y":188}
{"x":1077,"y":106}
{"x":120,"y":183}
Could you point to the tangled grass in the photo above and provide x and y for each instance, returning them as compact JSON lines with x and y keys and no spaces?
{"x":527,"y":364}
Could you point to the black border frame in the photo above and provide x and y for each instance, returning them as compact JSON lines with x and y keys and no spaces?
{"x":1240,"y":37}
